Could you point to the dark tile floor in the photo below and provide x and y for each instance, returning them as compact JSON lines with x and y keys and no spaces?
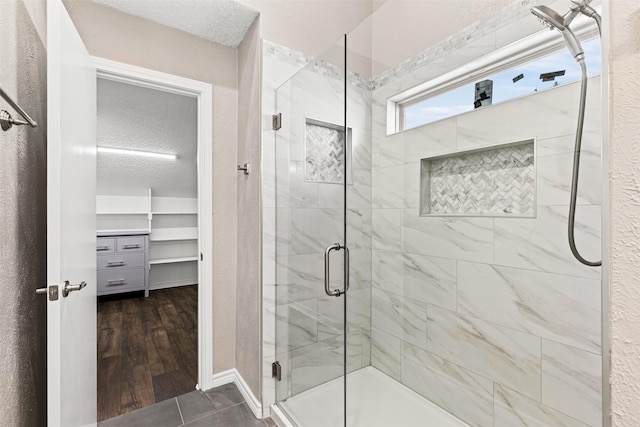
{"x":221,"y":406}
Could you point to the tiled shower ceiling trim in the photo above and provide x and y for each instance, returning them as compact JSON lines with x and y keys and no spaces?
{"x":324,"y":152}
{"x":494,"y":182}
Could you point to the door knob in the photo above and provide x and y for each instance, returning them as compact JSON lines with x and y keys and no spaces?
{"x":70,"y":288}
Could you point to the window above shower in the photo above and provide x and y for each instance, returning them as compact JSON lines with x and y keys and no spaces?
{"x":527,"y":66}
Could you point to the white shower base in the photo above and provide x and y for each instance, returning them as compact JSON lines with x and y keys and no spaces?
{"x":374,"y":400}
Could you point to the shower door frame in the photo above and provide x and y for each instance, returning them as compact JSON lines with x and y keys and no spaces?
{"x":275,"y":409}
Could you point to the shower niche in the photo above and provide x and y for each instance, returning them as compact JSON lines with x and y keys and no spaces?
{"x":324,"y":145}
{"x":494,"y":181}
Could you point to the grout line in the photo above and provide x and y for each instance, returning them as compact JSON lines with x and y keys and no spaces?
{"x":179,"y":410}
{"x":206,"y":414}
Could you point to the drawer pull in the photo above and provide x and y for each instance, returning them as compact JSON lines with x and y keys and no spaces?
{"x":115,"y":264}
{"x":132,"y":246}
{"x":115,"y":282}
{"x":103,"y":248}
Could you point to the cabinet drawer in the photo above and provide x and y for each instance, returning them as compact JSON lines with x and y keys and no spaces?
{"x":106,"y":245}
{"x":109,"y":262}
{"x":130,"y":244}
{"x":121,"y":280}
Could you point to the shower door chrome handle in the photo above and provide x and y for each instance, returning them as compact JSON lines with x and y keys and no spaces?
{"x":334,"y":292}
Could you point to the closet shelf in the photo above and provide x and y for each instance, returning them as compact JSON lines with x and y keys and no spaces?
{"x":123,"y":232}
{"x":174,"y":213}
{"x":178,"y":233}
{"x":173,"y":260}
{"x":122,"y":213}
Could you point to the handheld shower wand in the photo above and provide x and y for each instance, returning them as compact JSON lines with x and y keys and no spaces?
{"x":561,"y":22}
{"x":553,"y":19}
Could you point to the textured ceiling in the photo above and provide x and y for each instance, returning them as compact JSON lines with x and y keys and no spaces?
{"x":222,"y":21}
{"x":137,"y":118}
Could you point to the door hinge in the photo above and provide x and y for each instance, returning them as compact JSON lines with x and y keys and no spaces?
{"x":276,"y":121}
{"x":276,"y":371}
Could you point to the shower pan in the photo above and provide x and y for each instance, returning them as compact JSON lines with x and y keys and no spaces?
{"x":390,"y":314}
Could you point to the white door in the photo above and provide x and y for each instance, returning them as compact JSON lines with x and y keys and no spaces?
{"x":71,"y":228}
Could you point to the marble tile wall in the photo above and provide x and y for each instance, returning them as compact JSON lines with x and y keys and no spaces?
{"x":491,"y":318}
{"x":303,"y":215}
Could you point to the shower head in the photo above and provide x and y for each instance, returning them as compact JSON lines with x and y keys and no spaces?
{"x":553,"y":19}
{"x":549,"y":17}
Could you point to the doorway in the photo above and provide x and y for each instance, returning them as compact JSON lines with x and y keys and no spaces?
{"x":154,"y":222}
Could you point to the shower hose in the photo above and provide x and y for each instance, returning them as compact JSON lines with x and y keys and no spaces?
{"x":576,"y":169}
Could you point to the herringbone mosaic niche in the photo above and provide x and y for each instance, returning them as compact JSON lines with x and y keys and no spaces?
{"x":492,"y":182}
{"x":325,"y":152}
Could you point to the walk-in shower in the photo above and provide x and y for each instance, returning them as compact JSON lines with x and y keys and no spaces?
{"x":450,"y":298}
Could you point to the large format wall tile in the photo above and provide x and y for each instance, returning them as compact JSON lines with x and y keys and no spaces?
{"x":292,"y":190}
{"x":316,"y":364}
{"x":464,"y":238}
{"x":429,"y":279}
{"x":386,"y":312}
{"x":390,"y":151}
{"x":388,"y":271}
{"x":386,"y":229}
{"x":572,"y":382}
{"x":514,"y":410}
{"x":401,"y":317}
{"x":299,"y":277}
{"x":555,"y":170}
{"x":432,"y":140}
{"x":561,"y":308}
{"x":541,"y":243}
{"x":358,"y":228}
{"x":359,"y":193}
{"x":412,"y":185}
{"x":386,"y":353}
{"x":388,"y":191}
{"x":467,"y":395}
{"x":312,"y":230}
{"x":508,"y":357}
{"x":360,"y":269}
{"x":296,"y":325}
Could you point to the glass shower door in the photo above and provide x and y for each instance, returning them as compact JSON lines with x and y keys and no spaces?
{"x":312,"y":163}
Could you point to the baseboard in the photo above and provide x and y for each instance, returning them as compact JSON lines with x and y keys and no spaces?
{"x":233,"y":376}
{"x":224,"y":377}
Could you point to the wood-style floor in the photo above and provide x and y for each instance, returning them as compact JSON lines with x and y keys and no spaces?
{"x":147,"y":349}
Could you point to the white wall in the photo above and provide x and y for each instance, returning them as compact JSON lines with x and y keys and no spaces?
{"x":624,"y":46}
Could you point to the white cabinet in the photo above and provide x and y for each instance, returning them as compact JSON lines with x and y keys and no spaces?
{"x":172,"y":227}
